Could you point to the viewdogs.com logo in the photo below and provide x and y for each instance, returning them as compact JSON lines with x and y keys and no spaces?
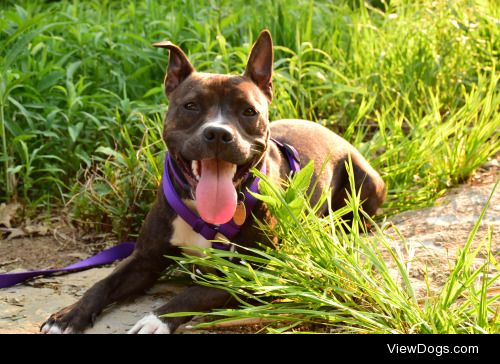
{"x":436,"y":350}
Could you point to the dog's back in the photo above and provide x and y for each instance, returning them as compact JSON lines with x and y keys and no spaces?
{"x":319,"y":144}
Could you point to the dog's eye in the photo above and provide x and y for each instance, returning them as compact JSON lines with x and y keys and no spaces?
{"x":191,"y":106}
{"x":250,"y":112}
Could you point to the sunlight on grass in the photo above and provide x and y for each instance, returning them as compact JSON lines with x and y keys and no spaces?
{"x":414,"y":86}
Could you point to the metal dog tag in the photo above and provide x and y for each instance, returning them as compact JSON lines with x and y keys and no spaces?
{"x":240,"y":214}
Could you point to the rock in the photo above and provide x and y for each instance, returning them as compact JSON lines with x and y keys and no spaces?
{"x":434,"y":235}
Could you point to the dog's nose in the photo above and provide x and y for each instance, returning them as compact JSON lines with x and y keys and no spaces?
{"x":218,"y":134}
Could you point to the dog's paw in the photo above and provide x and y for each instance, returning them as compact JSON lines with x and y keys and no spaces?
{"x":150,"y":324}
{"x":69,"y":320}
{"x":53,"y":328}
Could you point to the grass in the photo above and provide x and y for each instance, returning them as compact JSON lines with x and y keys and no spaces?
{"x":414,"y":85}
{"x":331,"y":276}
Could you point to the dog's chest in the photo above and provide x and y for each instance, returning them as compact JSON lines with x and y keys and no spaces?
{"x":183,"y":234}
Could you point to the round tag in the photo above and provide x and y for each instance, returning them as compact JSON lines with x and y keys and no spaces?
{"x":240,"y":214}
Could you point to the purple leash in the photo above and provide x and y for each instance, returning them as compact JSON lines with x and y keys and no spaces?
{"x":107,"y":256}
{"x":208,"y":231}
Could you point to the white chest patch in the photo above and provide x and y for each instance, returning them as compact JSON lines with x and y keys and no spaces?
{"x":184,"y":235}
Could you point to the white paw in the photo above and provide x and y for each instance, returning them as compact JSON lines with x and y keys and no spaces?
{"x":54,"y":329}
{"x":150,"y":324}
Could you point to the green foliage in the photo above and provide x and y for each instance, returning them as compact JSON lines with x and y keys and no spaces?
{"x":121,"y":186}
{"x":335,"y":276}
{"x":413,"y":85}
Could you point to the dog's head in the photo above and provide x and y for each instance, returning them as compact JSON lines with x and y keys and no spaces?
{"x":217,"y":126}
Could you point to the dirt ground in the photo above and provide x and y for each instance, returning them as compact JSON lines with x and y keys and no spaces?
{"x":433,"y":236}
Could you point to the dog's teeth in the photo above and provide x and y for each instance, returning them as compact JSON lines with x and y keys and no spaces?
{"x":234,"y":167}
{"x":195,"y":168}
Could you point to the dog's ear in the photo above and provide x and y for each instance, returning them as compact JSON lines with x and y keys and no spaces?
{"x":179,"y":68}
{"x":260,"y":64}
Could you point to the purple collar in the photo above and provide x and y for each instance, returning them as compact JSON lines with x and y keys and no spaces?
{"x":229,"y":229}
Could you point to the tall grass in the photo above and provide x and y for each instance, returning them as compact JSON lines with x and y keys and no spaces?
{"x":413,"y":85}
{"x":330,"y":276}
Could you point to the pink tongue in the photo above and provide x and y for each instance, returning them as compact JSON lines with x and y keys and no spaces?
{"x":215,"y":193}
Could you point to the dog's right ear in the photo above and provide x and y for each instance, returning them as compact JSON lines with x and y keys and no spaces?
{"x":179,"y":68}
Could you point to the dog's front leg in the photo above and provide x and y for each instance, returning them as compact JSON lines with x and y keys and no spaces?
{"x":192,"y":299}
{"x":131,"y":277}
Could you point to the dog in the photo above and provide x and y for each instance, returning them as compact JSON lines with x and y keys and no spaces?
{"x":216,"y":129}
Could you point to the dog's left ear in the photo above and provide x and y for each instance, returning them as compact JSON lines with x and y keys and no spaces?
{"x":179,"y":67}
{"x":260,"y":64}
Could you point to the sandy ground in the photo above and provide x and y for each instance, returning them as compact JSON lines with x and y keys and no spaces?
{"x":433,"y":236}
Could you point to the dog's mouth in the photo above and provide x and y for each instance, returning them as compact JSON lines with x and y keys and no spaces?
{"x":192,"y":170}
{"x":214,"y":182}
